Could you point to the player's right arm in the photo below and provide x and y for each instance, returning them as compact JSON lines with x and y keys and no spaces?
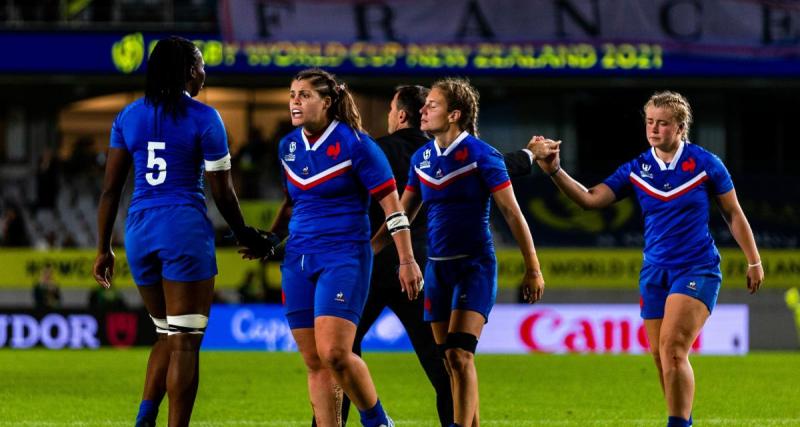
{"x":411,"y":203}
{"x":596,"y":197}
{"x":117,"y":165}
{"x":217,"y":161}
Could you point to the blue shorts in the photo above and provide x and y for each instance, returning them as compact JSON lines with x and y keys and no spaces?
{"x":326,"y":284}
{"x":171,"y":242}
{"x":655,"y":284}
{"x":464,"y":284}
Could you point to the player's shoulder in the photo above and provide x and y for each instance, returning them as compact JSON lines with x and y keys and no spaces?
{"x":644,"y":160}
{"x":480,"y":147}
{"x":132,"y":109}
{"x":199,"y":109}
{"x":700,"y":152}
{"x":345,"y":134}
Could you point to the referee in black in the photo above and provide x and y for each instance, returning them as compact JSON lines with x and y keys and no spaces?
{"x":403,"y":140}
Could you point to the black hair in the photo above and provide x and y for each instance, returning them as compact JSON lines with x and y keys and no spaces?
{"x":410,"y":99}
{"x":168,"y":70}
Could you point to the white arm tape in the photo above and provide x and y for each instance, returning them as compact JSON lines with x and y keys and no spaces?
{"x":221,"y":164}
{"x":396,"y":222}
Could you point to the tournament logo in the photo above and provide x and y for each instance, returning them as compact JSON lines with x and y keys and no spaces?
{"x":645,"y":172}
{"x":688,"y":165}
{"x":425,"y":163}
{"x":334,"y":150}
{"x":128,"y":53}
{"x":292,"y":147}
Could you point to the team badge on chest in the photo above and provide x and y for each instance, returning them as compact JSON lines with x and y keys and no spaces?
{"x":425,"y":164}
{"x":292,"y":147}
{"x":645,"y":172}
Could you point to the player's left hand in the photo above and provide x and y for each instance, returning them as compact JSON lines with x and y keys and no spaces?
{"x":542,"y":147}
{"x":755,"y":275}
{"x":259,"y":244}
{"x":532,"y":286}
{"x":411,"y":281}
{"x":103,"y":269}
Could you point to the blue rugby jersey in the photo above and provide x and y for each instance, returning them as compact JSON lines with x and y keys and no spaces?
{"x":329,"y":183}
{"x":168,"y":154}
{"x":675,"y":203}
{"x":455,"y":185}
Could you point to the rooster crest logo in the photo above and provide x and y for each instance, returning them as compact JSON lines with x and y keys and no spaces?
{"x":334,"y":150}
{"x":339,"y":296}
{"x":688,"y":165}
{"x":462,"y":154}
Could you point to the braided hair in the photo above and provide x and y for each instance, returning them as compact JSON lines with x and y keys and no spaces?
{"x":462,"y":96}
{"x":168,"y":70}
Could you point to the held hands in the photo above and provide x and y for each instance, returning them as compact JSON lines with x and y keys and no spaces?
{"x":542,"y":148}
{"x":411,"y":281}
{"x":755,"y":275}
{"x":258,"y":244}
{"x":532,"y":286}
{"x":103,"y":269}
{"x":551,"y":162}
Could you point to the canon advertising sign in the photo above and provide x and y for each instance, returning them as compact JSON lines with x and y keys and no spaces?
{"x":586,"y":328}
{"x":601,"y":328}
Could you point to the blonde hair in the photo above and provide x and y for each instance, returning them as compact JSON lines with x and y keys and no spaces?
{"x":462,"y":96}
{"x":676,"y":103}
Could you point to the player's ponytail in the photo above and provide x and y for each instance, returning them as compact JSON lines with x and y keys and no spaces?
{"x":343,"y":107}
{"x":168,"y":70}
{"x":462,"y":96}
{"x":676,"y":103}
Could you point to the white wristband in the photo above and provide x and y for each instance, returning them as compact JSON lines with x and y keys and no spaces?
{"x":754,"y":265}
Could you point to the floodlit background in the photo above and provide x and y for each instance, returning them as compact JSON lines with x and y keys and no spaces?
{"x":575,"y":70}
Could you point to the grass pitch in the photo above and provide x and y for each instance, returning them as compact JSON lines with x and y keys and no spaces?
{"x":102,"y":388}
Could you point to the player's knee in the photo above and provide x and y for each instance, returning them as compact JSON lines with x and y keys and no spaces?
{"x":162,"y":327}
{"x":186,"y":331}
{"x":459,"y":359}
{"x":334,"y":357}
{"x":460,"y":350}
{"x":656,"y":353}
{"x":673,"y":351}
{"x":312,"y":361}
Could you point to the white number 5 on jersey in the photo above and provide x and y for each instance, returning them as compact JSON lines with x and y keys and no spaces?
{"x":157,"y":163}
